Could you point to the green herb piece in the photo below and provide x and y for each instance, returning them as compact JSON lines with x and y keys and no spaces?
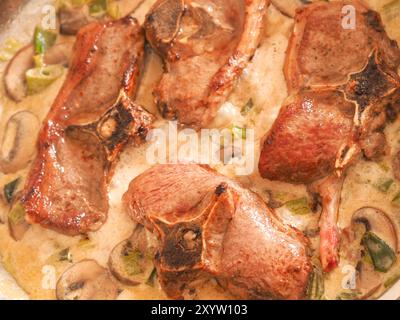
{"x":392,"y":281}
{"x":298,"y":206}
{"x":396,"y":200}
{"x":38,"y":79}
{"x":43,"y":40}
{"x":132,"y":261}
{"x":113,"y":10}
{"x":65,"y":255}
{"x":153,"y":276}
{"x":38,"y":60}
{"x":247,"y":107}
{"x":316,"y":285}
{"x":86,"y":244}
{"x":16,"y":215}
{"x":239,"y":132}
{"x":383,"y":257}
{"x":98,"y":8}
{"x":10,"y":48}
{"x":384,"y":186}
{"x":78,"y":3}
{"x":10,"y":188}
{"x":348,"y":296}
{"x":384,"y":166}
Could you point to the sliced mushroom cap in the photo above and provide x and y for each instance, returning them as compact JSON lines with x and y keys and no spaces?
{"x":15,"y":74}
{"x":396,"y":165}
{"x":368,"y":280}
{"x":86,"y":280}
{"x":14,"y":77}
{"x":378,"y":222}
{"x":60,"y":53}
{"x":73,"y":19}
{"x":19,"y":142}
{"x":289,"y":8}
{"x":131,"y":261}
{"x":17,"y":223}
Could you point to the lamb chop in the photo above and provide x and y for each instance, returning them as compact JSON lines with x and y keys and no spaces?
{"x":205,"y":46}
{"x":209,"y":225}
{"x":90,"y":121}
{"x":341,"y":82}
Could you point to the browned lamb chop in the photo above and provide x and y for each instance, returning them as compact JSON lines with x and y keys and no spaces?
{"x":209,"y":225}
{"x":90,"y":121}
{"x":205,"y":46}
{"x":341,"y":82}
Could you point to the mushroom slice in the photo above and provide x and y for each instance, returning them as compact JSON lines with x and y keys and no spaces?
{"x":14,"y":77}
{"x":16,"y":221}
{"x":131,"y":261}
{"x":378,"y":223}
{"x":86,"y":280}
{"x":73,"y":19}
{"x":60,"y":53}
{"x":289,"y":8}
{"x":19,"y":142}
{"x":396,"y":165}
{"x":368,"y":280}
{"x":378,"y":238}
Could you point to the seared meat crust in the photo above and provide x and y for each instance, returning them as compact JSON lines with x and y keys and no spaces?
{"x":90,"y":121}
{"x":205,"y":46}
{"x":209,"y":225}
{"x":341,"y":81}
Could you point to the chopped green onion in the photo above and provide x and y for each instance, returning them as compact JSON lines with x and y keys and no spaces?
{"x":348,"y":296}
{"x":38,"y":60}
{"x":10,"y":48}
{"x":366,"y":258}
{"x":298,"y":206}
{"x":247,"y":107}
{"x":43,"y":40}
{"x":384,"y":166}
{"x":77,"y":3}
{"x":38,"y":79}
{"x":384,"y":186}
{"x":132,"y":261}
{"x":396,"y":200}
{"x":65,"y":255}
{"x":16,"y":215}
{"x":10,"y":188}
{"x":113,"y":10}
{"x":383,"y":256}
{"x":152,"y":278}
{"x":316,"y":285}
{"x":239,"y":132}
{"x":85,"y":244}
{"x":392,"y":280}
{"x":98,"y":8}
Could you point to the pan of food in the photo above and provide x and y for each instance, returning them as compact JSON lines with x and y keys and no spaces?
{"x":200,"y":149}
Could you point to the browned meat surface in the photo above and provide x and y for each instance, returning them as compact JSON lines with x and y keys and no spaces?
{"x":303,"y":144}
{"x":209,"y":225}
{"x":322,"y":52}
{"x":205,"y":45}
{"x":341,"y":82}
{"x":90,"y":121}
